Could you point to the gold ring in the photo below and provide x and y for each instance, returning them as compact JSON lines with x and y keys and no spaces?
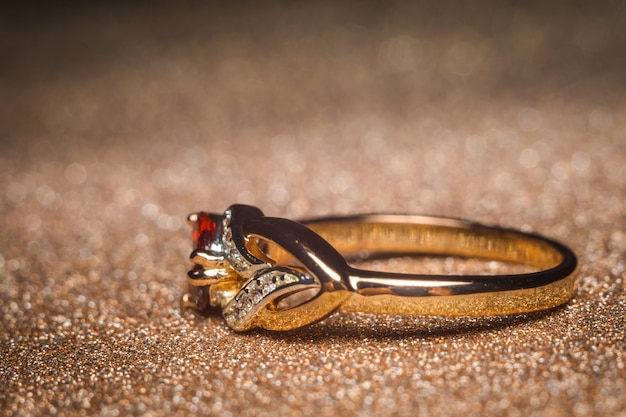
{"x":279,"y":274}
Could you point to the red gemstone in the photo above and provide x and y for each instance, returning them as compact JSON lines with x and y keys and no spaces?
{"x":205,"y":230}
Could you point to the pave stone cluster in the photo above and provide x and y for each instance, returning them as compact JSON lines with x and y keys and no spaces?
{"x":255,"y":294}
{"x":236,"y":259}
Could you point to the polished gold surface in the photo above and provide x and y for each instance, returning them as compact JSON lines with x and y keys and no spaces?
{"x":117,"y":120}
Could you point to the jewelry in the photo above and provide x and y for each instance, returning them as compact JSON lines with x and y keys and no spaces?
{"x":279,"y":274}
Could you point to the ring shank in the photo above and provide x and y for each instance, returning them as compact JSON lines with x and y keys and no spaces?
{"x":280,"y":274}
{"x":450,"y":295}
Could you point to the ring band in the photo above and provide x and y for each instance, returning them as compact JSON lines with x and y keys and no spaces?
{"x":278,"y":274}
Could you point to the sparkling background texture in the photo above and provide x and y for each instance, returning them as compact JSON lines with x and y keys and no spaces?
{"x":116,"y":121}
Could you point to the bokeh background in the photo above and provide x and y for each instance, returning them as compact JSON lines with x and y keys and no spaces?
{"x":117,"y":120}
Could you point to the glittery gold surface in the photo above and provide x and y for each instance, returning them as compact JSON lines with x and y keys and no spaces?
{"x":117,"y":121}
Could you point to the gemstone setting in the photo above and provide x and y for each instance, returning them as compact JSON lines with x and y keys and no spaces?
{"x":249,"y":285}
